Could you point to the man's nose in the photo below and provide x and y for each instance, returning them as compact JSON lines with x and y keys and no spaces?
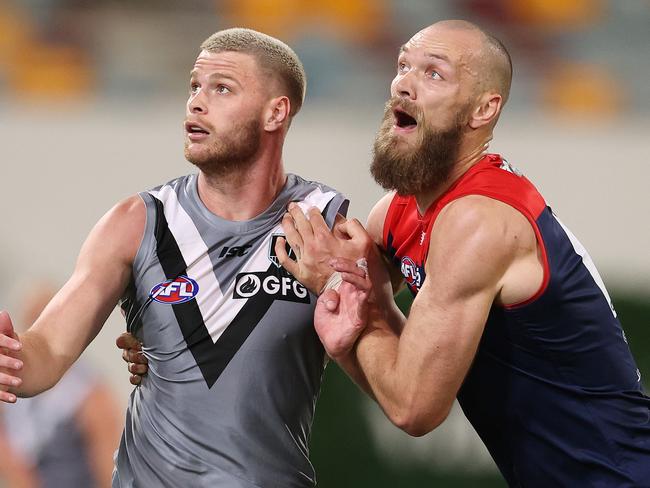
{"x":403,"y":86}
{"x":196,"y":104}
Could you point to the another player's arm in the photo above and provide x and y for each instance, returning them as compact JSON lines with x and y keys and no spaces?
{"x":416,"y":375}
{"x":99,"y":420}
{"x":77,"y":312}
{"x":15,"y":471}
{"x":386,"y":280}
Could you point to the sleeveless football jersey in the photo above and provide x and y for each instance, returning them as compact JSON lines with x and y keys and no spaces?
{"x":553,"y":391}
{"x":234,"y":362}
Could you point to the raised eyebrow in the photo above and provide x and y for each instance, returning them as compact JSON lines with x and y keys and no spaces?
{"x":194,"y":72}
{"x":441,"y":57}
{"x":225,"y":76}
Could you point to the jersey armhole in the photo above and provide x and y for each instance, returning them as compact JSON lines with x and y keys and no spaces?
{"x":337,"y":205}
{"x":546,"y":276}
{"x":147,"y":244}
{"x":388,"y":221}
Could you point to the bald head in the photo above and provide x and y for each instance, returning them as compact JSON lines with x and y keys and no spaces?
{"x":489,"y":56}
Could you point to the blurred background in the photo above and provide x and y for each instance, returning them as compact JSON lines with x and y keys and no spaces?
{"x":92,"y":99}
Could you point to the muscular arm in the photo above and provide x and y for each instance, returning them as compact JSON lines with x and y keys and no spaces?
{"x":78,"y":311}
{"x":387,"y":280}
{"x":415,"y":375}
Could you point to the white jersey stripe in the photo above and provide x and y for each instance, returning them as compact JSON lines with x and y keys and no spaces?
{"x":211,"y":299}
{"x":196,"y":257}
{"x":588,"y":262}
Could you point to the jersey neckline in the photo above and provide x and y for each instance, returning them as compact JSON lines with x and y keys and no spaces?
{"x":268,"y":217}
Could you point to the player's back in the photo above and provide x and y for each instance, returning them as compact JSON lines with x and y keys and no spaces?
{"x":553,"y":391}
{"x":234,"y":362}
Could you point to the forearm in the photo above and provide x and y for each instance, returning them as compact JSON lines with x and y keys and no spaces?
{"x":42,"y":368}
{"x":351,"y":367}
{"x":373,"y":366}
{"x":411,"y":400}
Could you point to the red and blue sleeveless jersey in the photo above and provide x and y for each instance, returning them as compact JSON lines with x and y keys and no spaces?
{"x":553,"y":392}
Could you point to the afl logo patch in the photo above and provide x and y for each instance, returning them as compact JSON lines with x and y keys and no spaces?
{"x":179,"y":290}
{"x":411,"y":272}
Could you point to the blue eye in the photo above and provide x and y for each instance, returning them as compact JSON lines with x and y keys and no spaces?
{"x":223,"y":89}
{"x":435,"y":75}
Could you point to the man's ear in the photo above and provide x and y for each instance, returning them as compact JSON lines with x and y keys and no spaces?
{"x":277,"y":113}
{"x":486,"y":111}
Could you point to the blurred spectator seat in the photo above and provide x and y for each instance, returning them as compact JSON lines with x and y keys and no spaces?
{"x":354,"y":20}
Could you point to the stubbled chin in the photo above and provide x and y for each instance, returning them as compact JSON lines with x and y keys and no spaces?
{"x":194,"y":153}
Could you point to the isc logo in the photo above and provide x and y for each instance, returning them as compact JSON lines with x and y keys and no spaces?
{"x":179,"y":290}
{"x":277,"y":286}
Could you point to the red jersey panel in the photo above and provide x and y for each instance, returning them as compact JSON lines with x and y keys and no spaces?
{"x":553,"y":390}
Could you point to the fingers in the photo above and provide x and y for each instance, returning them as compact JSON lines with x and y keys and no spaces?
{"x":353,"y":272}
{"x":360,"y":282}
{"x":343,"y":265}
{"x":354,"y":229}
{"x":138,"y":368}
{"x":7,"y":397}
{"x":10,"y":363}
{"x":128,"y":341}
{"x":283,"y":258}
{"x":131,"y":356}
{"x":302,"y":225}
{"x":8,"y":338}
{"x":9,"y":343}
{"x":8,"y":380}
{"x":317,"y":222}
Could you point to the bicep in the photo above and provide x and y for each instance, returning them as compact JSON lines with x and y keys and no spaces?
{"x":467,"y":259}
{"x":77,"y":312}
{"x":443,"y":330}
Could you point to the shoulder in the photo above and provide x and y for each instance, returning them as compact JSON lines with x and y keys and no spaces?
{"x":294,"y":180}
{"x":120,"y":230}
{"x":127,"y":212}
{"x":377,"y":218}
{"x":477,"y":215}
{"x":477,"y":238}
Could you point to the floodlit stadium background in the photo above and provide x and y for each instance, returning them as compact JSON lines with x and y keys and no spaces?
{"x":93,"y":98}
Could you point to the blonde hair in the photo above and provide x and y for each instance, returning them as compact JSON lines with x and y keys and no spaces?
{"x":272,"y":54}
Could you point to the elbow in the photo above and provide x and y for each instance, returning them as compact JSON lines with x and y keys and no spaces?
{"x":419,"y":421}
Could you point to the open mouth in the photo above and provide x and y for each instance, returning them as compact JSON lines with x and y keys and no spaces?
{"x":404,"y":120}
{"x":192,"y":128}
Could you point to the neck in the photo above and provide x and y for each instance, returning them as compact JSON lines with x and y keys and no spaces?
{"x":470,"y":153}
{"x":244,"y":194}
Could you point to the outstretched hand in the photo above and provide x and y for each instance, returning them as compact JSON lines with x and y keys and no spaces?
{"x":9,"y":342}
{"x":132,"y":354}
{"x":341,"y":315}
{"x":314,"y":245}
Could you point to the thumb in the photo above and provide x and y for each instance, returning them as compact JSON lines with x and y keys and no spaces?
{"x":330,"y":300}
{"x":6,"y":326}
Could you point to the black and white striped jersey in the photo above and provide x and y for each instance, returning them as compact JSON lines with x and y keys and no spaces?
{"x":234,"y":362}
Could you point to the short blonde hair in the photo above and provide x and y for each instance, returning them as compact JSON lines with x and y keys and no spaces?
{"x":271,"y":53}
